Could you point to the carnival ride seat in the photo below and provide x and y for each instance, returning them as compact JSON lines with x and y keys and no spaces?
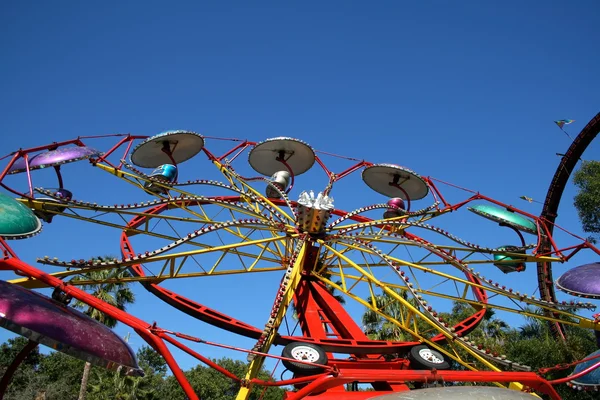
{"x":518,"y":223}
{"x":281,"y":180}
{"x":165,"y":174}
{"x":267,"y":157}
{"x":281,"y":158}
{"x":509,"y":263}
{"x":54,"y":158}
{"x":46,"y":321}
{"x":394,"y":181}
{"x":164,"y":152}
{"x":591,"y":380}
{"x":17,"y":221}
{"x":582,"y":281}
{"x":48,"y":207}
{"x":505,"y":217}
{"x":396,"y":208}
{"x":49,"y":322}
{"x":169,"y":147}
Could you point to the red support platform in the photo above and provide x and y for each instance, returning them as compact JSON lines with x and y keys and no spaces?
{"x":321,"y":316}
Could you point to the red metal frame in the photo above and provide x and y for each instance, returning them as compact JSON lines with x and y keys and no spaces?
{"x":318,"y":310}
{"x":142,"y":328}
{"x":320,"y":315}
{"x":324,"y":381}
{"x":347,"y":343}
{"x":12,"y":368}
{"x":128,"y":138}
{"x":345,"y":371}
{"x":550,"y":210}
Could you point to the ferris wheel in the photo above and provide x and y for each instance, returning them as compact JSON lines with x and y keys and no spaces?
{"x":398,"y":257}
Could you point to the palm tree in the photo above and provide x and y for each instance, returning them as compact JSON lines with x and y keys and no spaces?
{"x":379,"y":328}
{"x":493,"y":327}
{"x":533,"y":327}
{"x":116,"y":294}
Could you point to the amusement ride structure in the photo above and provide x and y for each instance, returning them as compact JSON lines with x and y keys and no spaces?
{"x":255,"y":221}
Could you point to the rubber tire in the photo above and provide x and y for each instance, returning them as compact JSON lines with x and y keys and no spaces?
{"x":303,"y":369}
{"x":418,"y":362}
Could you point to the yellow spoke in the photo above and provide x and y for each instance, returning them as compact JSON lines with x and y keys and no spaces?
{"x":39,"y":205}
{"x":403,"y":325}
{"x":578,"y":320}
{"x":225,"y":171}
{"x":35,"y":284}
{"x":257,"y":362}
{"x":133,"y":231}
{"x":463,"y":281}
{"x":127,"y":176}
{"x":172,"y":257}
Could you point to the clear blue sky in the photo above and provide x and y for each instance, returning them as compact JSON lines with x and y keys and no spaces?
{"x":462,"y":91}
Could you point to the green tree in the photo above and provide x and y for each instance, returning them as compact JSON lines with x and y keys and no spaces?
{"x":543,"y":350}
{"x":208,"y":383}
{"x":25,"y":372}
{"x":115,"y":293}
{"x":151,"y":362}
{"x":59,"y":376}
{"x":52,"y":377}
{"x":12,"y":347}
{"x":113,"y":385}
{"x":109,"y":385}
{"x":494,"y":328}
{"x":378,"y":327}
{"x":530,"y":344}
{"x":491,"y":331}
{"x":587,"y":200}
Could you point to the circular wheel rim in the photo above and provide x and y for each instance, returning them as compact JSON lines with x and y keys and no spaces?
{"x":431,"y":356}
{"x":305,"y":353}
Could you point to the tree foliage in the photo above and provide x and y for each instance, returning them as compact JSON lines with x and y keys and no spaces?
{"x":380,"y":325}
{"x":56,"y":376}
{"x":531,"y":343}
{"x":587,"y":200}
{"x":8,"y":352}
{"x":107,"y":287}
{"x":53,"y":376}
{"x":115,"y":293}
{"x":208,"y":383}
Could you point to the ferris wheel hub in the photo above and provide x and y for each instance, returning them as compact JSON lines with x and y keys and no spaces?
{"x":313,"y":213}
